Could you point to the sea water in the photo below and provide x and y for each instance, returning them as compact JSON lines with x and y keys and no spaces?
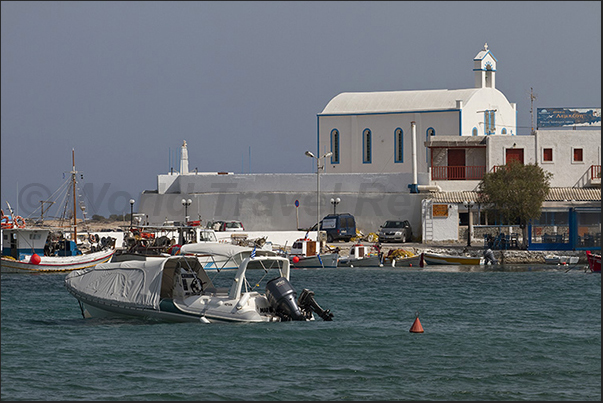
{"x":511,"y":333}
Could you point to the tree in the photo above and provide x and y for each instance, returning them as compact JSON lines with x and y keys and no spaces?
{"x":515,"y":192}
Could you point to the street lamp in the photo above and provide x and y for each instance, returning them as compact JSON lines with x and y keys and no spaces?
{"x":131,"y":212}
{"x":468,"y":205}
{"x":186,"y":203}
{"x":318,"y":168}
{"x":335,"y":202}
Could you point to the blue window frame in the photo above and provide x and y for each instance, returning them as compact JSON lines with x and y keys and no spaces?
{"x":367,"y":146}
{"x":335,"y":146}
{"x":398,"y":145}
{"x":474,"y":132}
{"x":503,"y":131}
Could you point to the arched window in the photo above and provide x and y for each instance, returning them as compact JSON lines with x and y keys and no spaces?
{"x":490,"y":122}
{"x":398,"y":145}
{"x":335,"y":146}
{"x":366,"y":146}
{"x":503,"y":131}
{"x":474,"y":132}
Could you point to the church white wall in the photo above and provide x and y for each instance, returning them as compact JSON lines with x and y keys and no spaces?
{"x":382,"y":126}
{"x":488,"y":99}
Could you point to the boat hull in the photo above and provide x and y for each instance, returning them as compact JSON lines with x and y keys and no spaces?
{"x":56,"y":264}
{"x":436,"y":258}
{"x":329,"y":260}
{"x":371,"y":261}
{"x":561,"y":260}
{"x":410,"y":261}
{"x":594,"y":261}
{"x":172,"y":311}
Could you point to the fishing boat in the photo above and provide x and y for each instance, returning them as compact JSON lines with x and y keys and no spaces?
{"x":44,"y":249}
{"x":178,"y":289}
{"x":560,"y":260}
{"x":361,"y":256}
{"x":305,"y":253}
{"x":439,"y":258}
{"x":145,"y":241}
{"x":33,"y":250}
{"x":594,"y":261}
{"x":402,"y":258}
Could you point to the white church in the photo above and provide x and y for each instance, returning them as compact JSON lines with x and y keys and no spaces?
{"x":391,"y":156}
{"x":370,"y":132}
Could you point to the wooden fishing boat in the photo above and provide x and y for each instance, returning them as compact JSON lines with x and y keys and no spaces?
{"x":305,"y":253}
{"x":402,"y":258}
{"x":44,"y":249}
{"x":439,"y":258}
{"x":360,"y":256}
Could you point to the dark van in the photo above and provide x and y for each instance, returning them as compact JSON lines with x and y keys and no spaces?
{"x":338,"y":227}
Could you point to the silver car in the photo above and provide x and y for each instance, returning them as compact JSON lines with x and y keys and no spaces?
{"x":395,"y":231}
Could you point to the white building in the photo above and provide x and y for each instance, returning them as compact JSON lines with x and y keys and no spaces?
{"x":392,"y":152}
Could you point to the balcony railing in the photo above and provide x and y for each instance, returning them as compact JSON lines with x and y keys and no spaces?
{"x":455,"y":173}
{"x":594,"y":178}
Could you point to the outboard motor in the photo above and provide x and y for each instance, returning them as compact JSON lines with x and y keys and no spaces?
{"x":489,"y":257}
{"x":281,"y":296}
{"x":308,"y":304}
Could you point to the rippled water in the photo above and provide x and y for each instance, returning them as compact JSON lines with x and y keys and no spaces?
{"x":521,"y":333}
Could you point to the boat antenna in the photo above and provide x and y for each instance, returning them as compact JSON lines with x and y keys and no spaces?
{"x":73,"y":172}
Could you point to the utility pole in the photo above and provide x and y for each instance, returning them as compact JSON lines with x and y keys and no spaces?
{"x":532,"y":99}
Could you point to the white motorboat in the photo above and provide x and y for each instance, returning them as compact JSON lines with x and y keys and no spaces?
{"x":360,"y":256}
{"x":177,"y":288}
{"x":221,"y":256}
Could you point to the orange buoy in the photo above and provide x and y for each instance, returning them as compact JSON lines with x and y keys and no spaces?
{"x":35,"y":259}
{"x":416,"y":326}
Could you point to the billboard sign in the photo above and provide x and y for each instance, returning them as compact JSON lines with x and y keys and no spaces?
{"x":565,"y":117}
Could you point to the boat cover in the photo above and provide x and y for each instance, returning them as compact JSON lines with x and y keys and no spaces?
{"x":135,"y":282}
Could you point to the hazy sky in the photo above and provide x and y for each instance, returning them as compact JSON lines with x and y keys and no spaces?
{"x":124,"y":83}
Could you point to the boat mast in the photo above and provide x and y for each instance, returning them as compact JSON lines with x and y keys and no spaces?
{"x":74,"y":203}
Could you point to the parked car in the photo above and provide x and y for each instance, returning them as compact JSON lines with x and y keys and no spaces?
{"x":230,"y":225}
{"x":338,"y":227}
{"x":395,"y":231}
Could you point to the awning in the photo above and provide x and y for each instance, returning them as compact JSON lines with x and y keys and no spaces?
{"x":456,"y":141}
